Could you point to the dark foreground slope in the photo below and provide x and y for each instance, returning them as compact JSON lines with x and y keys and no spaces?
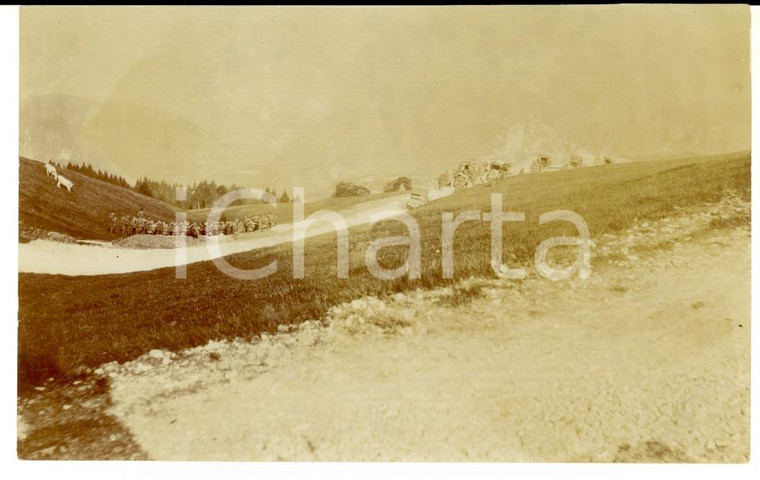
{"x":81,"y":213}
{"x":69,"y":322}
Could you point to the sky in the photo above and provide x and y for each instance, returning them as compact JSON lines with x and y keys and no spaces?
{"x":292,"y":96}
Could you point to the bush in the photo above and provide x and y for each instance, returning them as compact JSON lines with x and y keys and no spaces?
{"x":348,"y":189}
{"x":401,"y":183}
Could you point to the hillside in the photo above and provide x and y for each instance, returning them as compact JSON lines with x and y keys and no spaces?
{"x":284,"y":211}
{"x":81,"y":213}
{"x":93,"y":320}
{"x":484,"y":370}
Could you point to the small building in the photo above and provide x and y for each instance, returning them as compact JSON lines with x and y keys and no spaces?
{"x":419,"y":196}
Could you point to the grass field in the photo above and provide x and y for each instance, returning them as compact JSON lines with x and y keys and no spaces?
{"x":284,"y":211}
{"x":68,"y":322}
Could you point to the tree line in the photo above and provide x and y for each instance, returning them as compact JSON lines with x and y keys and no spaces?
{"x":198,"y":195}
{"x":204,"y":194}
{"x":86,"y":169}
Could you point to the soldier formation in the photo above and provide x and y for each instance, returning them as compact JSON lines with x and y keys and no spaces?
{"x":140,"y":225}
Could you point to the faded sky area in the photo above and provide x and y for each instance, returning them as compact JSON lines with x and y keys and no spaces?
{"x":307,"y":96}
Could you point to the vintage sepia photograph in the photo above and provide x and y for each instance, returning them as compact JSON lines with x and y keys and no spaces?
{"x":509,"y":234}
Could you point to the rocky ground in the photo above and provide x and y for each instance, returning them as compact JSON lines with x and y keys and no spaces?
{"x":648,"y":360}
{"x":71,"y":422}
{"x":27,"y":234}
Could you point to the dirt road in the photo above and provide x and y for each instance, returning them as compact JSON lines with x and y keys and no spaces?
{"x":646,"y":361}
{"x":46,"y":256}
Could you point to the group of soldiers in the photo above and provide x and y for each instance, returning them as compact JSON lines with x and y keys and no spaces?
{"x":140,"y":225}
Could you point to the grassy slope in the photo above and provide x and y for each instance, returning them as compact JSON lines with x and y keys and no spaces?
{"x":284,"y":211}
{"x":66,"y":322}
{"x":83,"y":212}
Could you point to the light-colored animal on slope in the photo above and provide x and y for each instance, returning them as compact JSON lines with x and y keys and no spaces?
{"x":51,"y":171}
{"x":65,"y":182}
